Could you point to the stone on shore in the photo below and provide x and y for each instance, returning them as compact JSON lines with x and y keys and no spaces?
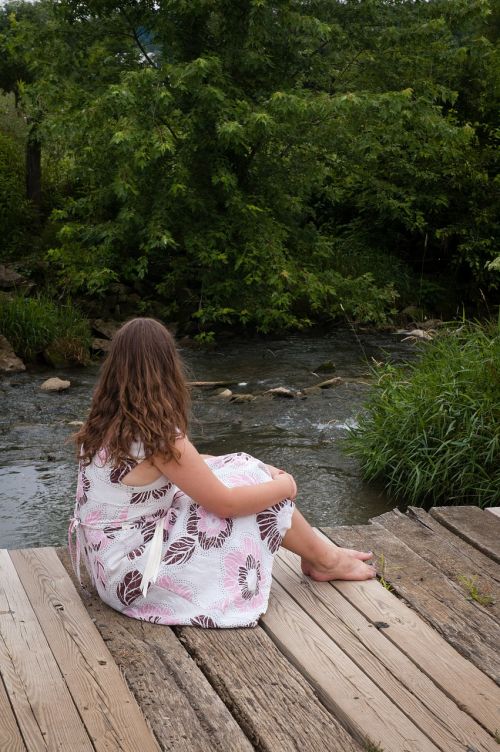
{"x":55,"y":384}
{"x":9,"y":362}
{"x":100,"y":345}
{"x":106,"y":329}
{"x":10,"y":279}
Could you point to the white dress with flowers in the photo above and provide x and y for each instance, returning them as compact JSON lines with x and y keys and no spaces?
{"x":154,"y":554}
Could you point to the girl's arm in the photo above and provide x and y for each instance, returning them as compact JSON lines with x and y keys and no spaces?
{"x":193,"y":476}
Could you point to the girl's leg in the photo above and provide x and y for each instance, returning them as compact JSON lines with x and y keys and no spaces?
{"x":322,"y":560}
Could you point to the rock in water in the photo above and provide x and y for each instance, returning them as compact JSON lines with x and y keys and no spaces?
{"x":9,"y":362}
{"x":55,"y":384}
{"x":310,"y":390}
{"x":330,"y":382}
{"x":238,"y":399}
{"x":281,"y":391}
{"x":325,"y":367}
{"x":223,"y":394}
{"x":416,"y":334}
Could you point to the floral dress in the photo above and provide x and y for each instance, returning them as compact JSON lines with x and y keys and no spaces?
{"x":154,"y":554}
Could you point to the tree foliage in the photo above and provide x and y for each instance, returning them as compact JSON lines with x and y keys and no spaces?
{"x":265,"y":163}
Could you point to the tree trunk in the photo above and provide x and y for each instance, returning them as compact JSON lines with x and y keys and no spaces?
{"x":34,"y":168}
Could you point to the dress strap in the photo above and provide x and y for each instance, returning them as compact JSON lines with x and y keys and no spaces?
{"x":153,"y":562}
{"x":74,"y":553}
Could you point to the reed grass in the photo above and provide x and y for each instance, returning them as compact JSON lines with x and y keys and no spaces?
{"x":33,"y":324}
{"x":431,"y":429}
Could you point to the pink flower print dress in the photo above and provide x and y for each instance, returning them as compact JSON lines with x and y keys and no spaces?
{"x":154,"y":554}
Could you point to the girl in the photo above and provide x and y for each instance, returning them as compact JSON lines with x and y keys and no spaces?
{"x":169,"y":535}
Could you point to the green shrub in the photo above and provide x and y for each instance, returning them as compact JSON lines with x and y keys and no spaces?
{"x":35,"y":325}
{"x":14,"y":209}
{"x":432,"y":428}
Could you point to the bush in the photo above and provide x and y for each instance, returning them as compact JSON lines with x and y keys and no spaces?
{"x":14,"y":209}
{"x":35,"y":325}
{"x":432,"y":430}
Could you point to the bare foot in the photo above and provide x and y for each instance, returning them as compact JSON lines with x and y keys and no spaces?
{"x":340,"y":564}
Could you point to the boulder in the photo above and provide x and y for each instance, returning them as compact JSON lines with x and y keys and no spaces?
{"x":9,"y":278}
{"x":9,"y":362}
{"x":100,"y":345}
{"x":413,"y":313}
{"x":55,"y":384}
{"x":281,"y":391}
{"x":106,"y":329}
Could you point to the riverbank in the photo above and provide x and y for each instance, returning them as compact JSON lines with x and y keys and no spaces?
{"x":37,"y":463}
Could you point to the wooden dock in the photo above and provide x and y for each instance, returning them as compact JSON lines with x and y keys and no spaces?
{"x":409,"y":663}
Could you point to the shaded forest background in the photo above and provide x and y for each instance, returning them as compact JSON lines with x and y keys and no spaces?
{"x":258,"y":164}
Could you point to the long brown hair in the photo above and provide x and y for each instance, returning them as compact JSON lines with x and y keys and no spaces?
{"x":141,"y":395}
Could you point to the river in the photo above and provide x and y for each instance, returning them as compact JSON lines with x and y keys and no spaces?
{"x":38,"y":467}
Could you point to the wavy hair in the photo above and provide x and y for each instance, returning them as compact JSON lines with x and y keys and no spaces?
{"x":141,"y":395}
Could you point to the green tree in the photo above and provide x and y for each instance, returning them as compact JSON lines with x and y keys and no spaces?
{"x":266,"y":162}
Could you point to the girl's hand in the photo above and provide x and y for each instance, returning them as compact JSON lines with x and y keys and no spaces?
{"x":276,"y":473}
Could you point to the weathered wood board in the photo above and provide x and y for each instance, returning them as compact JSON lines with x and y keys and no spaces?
{"x":42,"y":704}
{"x":344,"y":688}
{"x":271,"y":700}
{"x":430,"y":593}
{"x":421,"y":533}
{"x":176,"y":699}
{"x":471,"y":524}
{"x":10,"y":735}
{"x":110,"y":714}
{"x":389,"y":667}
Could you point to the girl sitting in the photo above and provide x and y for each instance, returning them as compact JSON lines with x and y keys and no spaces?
{"x":169,"y":535}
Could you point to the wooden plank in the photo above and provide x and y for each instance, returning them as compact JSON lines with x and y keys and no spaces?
{"x":449,"y":557}
{"x":477,"y":560}
{"x":343,"y":688}
{"x":436,"y":598}
{"x":273,"y":703}
{"x":450,"y":728}
{"x":474,"y":692}
{"x":10,"y":735}
{"x":108,"y":710}
{"x":40,"y":698}
{"x":474,"y":526}
{"x":183,"y":710}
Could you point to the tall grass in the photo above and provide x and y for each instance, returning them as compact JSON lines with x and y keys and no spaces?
{"x":34,"y":324}
{"x":431,"y":430}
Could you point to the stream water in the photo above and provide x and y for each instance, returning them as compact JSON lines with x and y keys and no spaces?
{"x":38,"y":467}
